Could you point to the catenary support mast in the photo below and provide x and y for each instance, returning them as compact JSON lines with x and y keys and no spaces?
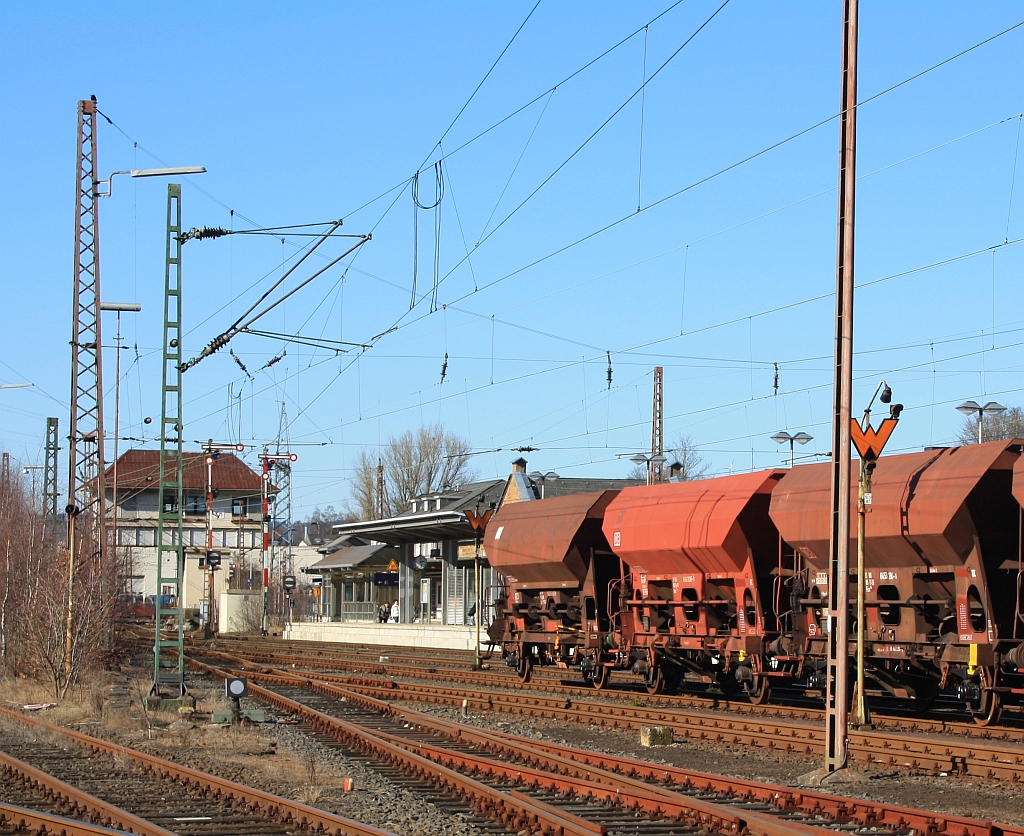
{"x":658,"y":427}
{"x":836,"y":713}
{"x":170,"y":550}
{"x":50,"y":470}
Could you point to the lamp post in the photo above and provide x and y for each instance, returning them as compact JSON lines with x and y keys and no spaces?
{"x":650,"y":462}
{"x":33,"y":467}
{"x":119,"y":308}
{"x":781,"y":437}
{"x":869,"y":444}
{"x":973,"y":408}
{"x":540,"y":478}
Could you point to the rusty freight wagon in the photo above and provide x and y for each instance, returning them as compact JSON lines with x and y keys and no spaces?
{"x":942,"y":576}
{"x":699,"y":567}
{"x":557,"y":567}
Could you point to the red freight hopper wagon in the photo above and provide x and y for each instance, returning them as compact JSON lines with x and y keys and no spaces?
{"x":557,"y":567}
{"x":697,"y":580}
{"x":942,"y":570}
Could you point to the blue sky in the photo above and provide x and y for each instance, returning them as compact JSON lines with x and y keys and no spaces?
{"x":313,"y":112}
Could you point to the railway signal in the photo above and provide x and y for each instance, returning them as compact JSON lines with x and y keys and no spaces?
{"x":479,"y":522}
{"x":268,"y":460}
{"x":869,"y":443}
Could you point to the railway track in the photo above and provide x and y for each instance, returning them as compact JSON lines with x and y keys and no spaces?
{"x":929,"y":751}
{"x":63,"y":773}
{"x":456,"y":666}
{"x":587,"y":791}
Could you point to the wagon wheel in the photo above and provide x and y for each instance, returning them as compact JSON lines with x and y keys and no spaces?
{"x":525,"y":667}
{"x":655,"y":680}
{"x":761,"y":690}
{"x":602,"y":676}
{"x":990,"y":705}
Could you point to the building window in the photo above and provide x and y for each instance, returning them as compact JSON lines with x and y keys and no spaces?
{"x":195,"y":504}
{"x":239,"y":507}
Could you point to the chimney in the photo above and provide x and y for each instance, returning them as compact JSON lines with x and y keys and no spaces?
{"x":519,"y":465}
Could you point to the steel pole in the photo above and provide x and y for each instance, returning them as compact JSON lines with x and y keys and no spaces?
{"x":838,"y":639}
{"x":209,"y":540}
{"x":479,"y":603}
{"x":266,"y":548}
{"x":860,"y":715}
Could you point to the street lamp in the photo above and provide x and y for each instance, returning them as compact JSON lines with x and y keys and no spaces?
{"x":147,"y":172}
{"x":972,"y":408}
{"x":649,"y":461}
{"x":541,"y":478}
{"x":781,"y":437}
{"x":869,"y":444}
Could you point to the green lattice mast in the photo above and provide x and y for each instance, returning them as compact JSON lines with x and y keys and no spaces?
{"x":170,"y":550}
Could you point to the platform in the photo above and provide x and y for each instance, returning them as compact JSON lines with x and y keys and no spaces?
{"x":444,"y":636}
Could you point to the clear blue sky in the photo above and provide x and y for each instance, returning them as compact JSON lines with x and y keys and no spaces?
{"x":308,"y":112}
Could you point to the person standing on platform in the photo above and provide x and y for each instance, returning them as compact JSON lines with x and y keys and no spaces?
{"x":384,"y":612}
{"x":394,"y":611}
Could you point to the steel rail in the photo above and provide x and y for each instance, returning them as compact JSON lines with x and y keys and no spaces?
{"x":635,"y":775}
{"x":555,"y":773}
{"x":975,"y":757}
{"x":516,"y":811}
{"x":25,"y":820}
{"x":103,"y":814}
{"x":552,"y":680}
{"x":302,"y":815}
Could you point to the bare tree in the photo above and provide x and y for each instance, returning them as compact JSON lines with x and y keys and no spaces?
{"x":1009,"y":424}
{"x":34,"y":596}
{"x":414,"y":463}
{"x":694,"y":465}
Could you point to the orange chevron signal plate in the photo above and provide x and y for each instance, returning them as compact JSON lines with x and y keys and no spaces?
{"x":869,"y":442}
{"x":479,"y":523}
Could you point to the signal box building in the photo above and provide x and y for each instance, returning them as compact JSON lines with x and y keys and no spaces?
{"x":237,"y":522}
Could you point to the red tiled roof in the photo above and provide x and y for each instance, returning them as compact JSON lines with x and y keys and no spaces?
{"x":140,"y":469}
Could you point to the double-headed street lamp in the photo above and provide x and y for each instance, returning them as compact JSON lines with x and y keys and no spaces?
{"x":539,"y":478}
{"x":973,"y":408}
{"x":650,"y":462}
{"x":781,"y":437}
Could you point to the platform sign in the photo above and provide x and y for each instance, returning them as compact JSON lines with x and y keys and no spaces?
{"x":317,"y":580}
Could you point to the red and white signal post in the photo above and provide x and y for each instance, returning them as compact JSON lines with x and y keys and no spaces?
{"x":268,"y":460}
